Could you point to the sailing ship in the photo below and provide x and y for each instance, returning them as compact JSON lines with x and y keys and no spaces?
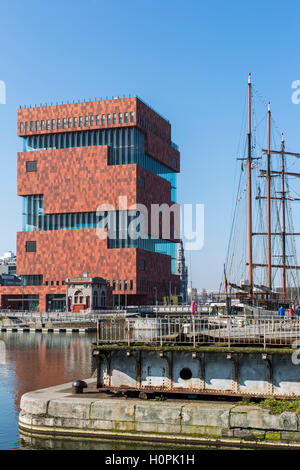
{"x":261,"y":264}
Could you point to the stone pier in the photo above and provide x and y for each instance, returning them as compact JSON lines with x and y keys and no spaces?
{"x":56,"y":412}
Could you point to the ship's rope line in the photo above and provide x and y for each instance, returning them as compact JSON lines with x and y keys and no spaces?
{"x":261,"y":242}
{"x":277,"y":228}
{"x":258,"y":243}
{"x":294,"y":191}
{"x":237,"y":166}
{"x":265,"y":103}
{"x":289,"y":166}
{"x":232,"y":233}
{"x":234,"y":246}
{"x":243,"y":125}
{"x":292,"y":243}
{"x":237,"y":250}
{"x":237,"y":192}
{"x":276,"y":213}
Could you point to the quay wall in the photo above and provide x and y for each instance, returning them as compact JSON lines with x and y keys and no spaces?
{"x":55,"y":413}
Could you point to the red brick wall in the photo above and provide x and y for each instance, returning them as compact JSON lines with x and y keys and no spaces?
{"x":69,"y":253}
{"x":156,"y":191}
{"x":79,"y":179}
{"x":76,"y":110}
{"x":76,"y":180}
{"x":157,"y":273}
{"x":157,"y":129}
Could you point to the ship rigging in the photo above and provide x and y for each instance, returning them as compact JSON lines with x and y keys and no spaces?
{"x":261,"y":263}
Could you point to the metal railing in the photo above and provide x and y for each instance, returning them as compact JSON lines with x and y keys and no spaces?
{"x":225,"y":331}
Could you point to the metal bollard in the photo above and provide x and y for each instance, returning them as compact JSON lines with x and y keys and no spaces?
{"x":78,"y":386}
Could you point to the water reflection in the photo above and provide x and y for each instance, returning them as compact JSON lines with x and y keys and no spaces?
{"x":31,"y":361}
{"x":2,"y":352}
{"x":34,"y":443}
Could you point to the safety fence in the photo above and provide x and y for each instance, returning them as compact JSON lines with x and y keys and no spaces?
{"x":226,"y":331}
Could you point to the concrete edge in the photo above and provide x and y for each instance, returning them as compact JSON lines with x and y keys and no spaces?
{"x":46,"y":432}
{"x":35,"y":420}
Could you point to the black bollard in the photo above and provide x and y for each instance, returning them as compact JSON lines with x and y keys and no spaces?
{"x":78,"y":386}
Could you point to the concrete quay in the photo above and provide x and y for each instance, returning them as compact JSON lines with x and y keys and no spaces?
{"x":57,"y":413}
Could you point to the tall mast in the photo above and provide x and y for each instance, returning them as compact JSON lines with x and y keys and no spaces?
{"x":283,"y":223}
{"x":249,"y":161}
{"x":269,"y":200}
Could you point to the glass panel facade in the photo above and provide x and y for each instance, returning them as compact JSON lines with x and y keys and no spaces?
{"x":155,"y":245}
{"x":127,"y":145}
{"x":32,"y":212}
{"x":35,"y":219}
{"x":33,"y":302}
{"x":32,"y":280}
{"x":56,"y":302}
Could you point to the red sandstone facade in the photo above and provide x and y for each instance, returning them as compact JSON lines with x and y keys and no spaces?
{"x":77,"y":180}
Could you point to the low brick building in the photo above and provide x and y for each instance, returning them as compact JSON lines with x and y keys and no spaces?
{"x":87,"y":292}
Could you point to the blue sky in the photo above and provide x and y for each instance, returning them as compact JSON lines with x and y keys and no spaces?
{"x":189,"y":60}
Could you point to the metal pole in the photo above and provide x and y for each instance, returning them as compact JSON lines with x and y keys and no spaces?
{"x":194,"y":334}
{"x":269,"y":200}
{"x":283,"y":223}
{"x":160,"y":332}
{"x":249,"y":162}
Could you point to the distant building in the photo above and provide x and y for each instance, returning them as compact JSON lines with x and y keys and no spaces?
{"x":192,"y":294}
{"x":8,"y":263}
{"x":87,"y":292}
{"x":292,"y":294}
{"x":203,"y":296}
{"x":214,"y":296}
{"x":182,"y":271}
{"x":9,"y":280}
{"x":206,"y":296}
